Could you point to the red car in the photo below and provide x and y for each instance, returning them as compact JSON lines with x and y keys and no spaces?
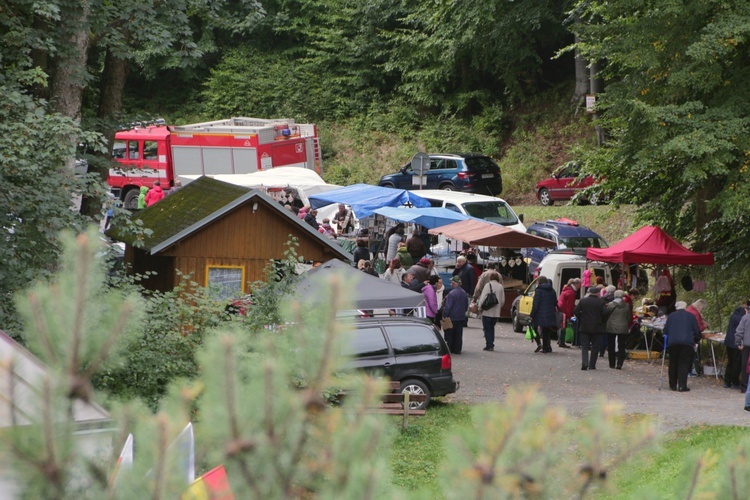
{"x":563,"y":185}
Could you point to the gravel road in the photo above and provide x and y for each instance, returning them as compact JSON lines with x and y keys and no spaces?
{"x":487,"y":376}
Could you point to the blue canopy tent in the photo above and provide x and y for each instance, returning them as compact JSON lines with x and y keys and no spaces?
{"x":430,"y":218}
{"x":365,"y":199}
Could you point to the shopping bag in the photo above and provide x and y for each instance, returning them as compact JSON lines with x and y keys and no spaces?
{"x":530,"y":333}
{"x":379,"y":266}
{"x":569,"y":334}
{"x":446,"y":323}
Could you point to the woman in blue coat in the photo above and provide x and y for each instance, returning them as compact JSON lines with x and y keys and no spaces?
{"x":544,"y":312}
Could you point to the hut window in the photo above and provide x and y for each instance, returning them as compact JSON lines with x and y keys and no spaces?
{"x":226,"y":281}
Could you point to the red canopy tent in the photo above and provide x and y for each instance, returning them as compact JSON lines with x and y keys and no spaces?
{"x":650,"y":245}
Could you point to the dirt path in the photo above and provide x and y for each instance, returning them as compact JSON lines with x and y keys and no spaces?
{"x":487,"y":376}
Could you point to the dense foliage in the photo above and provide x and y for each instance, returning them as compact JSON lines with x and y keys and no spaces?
{"x":676,"y":112}
{"x":277,"y":440}
{"x":437,"y":75}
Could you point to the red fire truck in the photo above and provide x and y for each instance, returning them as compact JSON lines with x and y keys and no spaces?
{"x":146,"y":154}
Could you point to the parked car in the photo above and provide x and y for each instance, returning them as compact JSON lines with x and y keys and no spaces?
{"x":488,"y":208}
{"x":467,"y":172}
{"x":564,"y":184}
{"x":558,"y":267}
{"x":405,"y":349}
{"x":566,"y":233}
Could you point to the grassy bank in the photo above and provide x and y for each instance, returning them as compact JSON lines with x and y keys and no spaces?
{"x":666,"y":472}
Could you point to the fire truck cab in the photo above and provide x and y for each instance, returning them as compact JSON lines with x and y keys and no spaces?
{"x":146,"y":154}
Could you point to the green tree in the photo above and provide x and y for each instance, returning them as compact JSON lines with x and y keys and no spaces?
{"x":675,"y":108}
{"x":462,"y":57}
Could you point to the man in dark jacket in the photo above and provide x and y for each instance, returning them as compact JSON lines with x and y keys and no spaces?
{"x":544,"y":312}
{"x":466,"y":273}
{"x":734,"y":355}
{"x":421,"y":269}
{"x":681,"y":332}
{"x":456,"y":304}
{"x":590,"y":313}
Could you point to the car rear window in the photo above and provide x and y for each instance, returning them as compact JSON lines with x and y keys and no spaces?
{"x":409,"y":339}
{"x":481,"y":164}
{"x":492,"y":211}
{"x":365,"y":342}
{"x":581,"y":242}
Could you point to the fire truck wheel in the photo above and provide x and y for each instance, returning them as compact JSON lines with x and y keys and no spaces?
{"x":131,"y":200}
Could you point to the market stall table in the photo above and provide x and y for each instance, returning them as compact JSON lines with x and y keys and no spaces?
{"x":713,"y":338}
{"x":650,"y":329}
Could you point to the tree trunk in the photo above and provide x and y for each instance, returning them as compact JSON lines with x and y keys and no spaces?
{"x":110,"y":108}
{"x":596,"y":88}
{"x":582,"y":80}
{"x":69,"y":74}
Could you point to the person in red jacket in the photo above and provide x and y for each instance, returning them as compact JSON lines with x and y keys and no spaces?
{"x":696,"y":309}
{"x":566,"y":302}
{"x":154,"y":194}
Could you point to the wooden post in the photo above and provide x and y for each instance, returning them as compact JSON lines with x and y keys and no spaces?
{"x":405,"y":423}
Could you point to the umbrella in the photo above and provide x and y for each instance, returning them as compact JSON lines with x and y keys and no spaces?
{"x":428,"y":217}
{"x":477,"y":232}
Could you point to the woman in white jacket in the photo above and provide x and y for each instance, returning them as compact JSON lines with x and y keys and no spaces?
{"x":491,"y":315}
{"x":395,"y":272}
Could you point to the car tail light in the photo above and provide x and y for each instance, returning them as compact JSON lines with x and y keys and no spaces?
{"x":466,"y":175}
{"x":446,"y":363}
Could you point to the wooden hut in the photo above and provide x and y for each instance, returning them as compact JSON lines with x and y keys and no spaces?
{"x":220,"y":234}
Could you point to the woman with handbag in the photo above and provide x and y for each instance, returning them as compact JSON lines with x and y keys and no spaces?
{"x":491,"y":302}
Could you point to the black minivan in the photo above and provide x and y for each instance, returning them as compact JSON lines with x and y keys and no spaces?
{"x":405,"y":349}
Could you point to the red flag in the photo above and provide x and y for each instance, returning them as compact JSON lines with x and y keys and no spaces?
{"x":213,"y":485}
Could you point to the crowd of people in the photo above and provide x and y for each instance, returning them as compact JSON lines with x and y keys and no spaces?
{"x":602,"y":322}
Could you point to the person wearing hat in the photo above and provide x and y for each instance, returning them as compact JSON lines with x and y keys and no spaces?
{"x":590,"y":313}
{"x":681,"y":332}
{"x":617,"y":328}
{"x":544,"y":312}
{"x":455,"y":307}
{"x":421,"y":269}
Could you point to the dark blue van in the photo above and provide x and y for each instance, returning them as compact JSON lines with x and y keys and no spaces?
{"x":566,"y":233}
{"x":467,"y":172}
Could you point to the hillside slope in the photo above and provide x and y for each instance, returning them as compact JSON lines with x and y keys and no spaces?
{"x":528,"y":142}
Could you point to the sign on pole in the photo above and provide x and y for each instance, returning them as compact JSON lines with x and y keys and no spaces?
{"x":420,"y":164}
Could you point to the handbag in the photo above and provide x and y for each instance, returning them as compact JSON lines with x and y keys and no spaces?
{"x":446,"y":323}
{"x":490,"y":300}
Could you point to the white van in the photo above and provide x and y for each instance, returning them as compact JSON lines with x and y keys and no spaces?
{"x":480,"y":206}
{"x":558,"y":267}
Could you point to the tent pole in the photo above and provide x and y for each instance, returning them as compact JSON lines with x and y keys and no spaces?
{"x":716,"y":296}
